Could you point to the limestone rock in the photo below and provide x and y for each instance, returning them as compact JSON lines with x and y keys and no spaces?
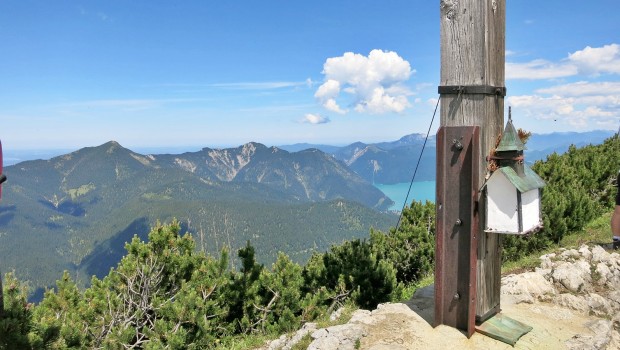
{"x":546,"y":273}
{"x":278,"y":343}
{"x":575,"y":277}
{"x":603,"y":274}
{"x":585,"y":252}
{"x":598,"y":305}
{"x":527,"y":287}
{"x":602,"y":330}
{"x":570,"y":255}
{"x":360,"y":316}
{"x":341,"y":337}
{"x":336,"y":314}
{"x":600,"y":255}
{"x":286,"y":343}
{"x":614,"y":296}
{"x":572,"y":302}
{"x":546,"y":261}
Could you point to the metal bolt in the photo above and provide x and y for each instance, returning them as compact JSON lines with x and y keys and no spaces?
{"x":457,"y":144}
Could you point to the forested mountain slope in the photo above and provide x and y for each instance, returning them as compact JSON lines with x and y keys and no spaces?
{"x":76,"y":211}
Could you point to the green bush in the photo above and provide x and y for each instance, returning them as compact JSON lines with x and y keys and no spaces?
{"x":16,"y":320}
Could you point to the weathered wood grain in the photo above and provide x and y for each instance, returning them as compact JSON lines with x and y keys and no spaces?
{"x":472,"y":35}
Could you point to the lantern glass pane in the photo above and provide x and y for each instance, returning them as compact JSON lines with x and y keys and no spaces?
{"x":502,"y":206}
{"x":530,"y":202}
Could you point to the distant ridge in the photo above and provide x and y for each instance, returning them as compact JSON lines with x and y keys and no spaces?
{"x":385,"y":162}
{"x":539,"y":146}
{"x":394,"y":162}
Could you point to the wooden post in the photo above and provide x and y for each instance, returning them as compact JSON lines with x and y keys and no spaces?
{"x":472,"y":94}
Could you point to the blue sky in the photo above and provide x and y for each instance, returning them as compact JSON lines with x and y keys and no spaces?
{"x":223,"y":73}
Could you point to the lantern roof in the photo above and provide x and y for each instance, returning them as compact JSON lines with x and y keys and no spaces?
{"x":526,"y":183}
{"x":510,"y":138}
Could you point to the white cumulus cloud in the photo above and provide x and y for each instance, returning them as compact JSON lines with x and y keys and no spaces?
{"x":591,"y":61}
{"x":576,"y":104}
{"x":373,"y":83}
{"x":380,"y":102}
{"x":315,"y":119}
{"x":597,"y":60}
{"x":586,"y":102}
{"x":333,"y":106}
{"x":583,"y":88}
{"x":539,"y":69}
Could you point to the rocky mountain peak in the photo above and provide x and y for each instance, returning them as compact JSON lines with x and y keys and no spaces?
{"x":109,"y":147}
{"x":249,"y":149}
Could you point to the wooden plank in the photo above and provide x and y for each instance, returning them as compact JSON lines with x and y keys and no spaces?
{"x":456,"y":240}
{"x":472,"y":34}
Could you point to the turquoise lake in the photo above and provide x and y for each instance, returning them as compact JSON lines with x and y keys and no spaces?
{"x":420,"y":191}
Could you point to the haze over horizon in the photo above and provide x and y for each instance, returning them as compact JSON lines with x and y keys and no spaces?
{"x":196,"y":74}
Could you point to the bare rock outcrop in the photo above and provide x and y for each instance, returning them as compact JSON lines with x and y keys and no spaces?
{"x":585,"y":280}
{"x":572,"y":301}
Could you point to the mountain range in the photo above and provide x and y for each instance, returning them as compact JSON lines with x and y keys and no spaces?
{"x":384,"y":162}
{"x":75,"y":212}
{"x":396,"y":161}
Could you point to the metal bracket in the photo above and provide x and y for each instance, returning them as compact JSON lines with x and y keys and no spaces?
{"x":472,"y":90}
{"x":456,"y":238}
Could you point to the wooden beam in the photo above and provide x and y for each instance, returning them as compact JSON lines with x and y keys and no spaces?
{"x":472,"y":35}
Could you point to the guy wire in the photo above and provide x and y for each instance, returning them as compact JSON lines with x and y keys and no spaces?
{"x":417,"y":165}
